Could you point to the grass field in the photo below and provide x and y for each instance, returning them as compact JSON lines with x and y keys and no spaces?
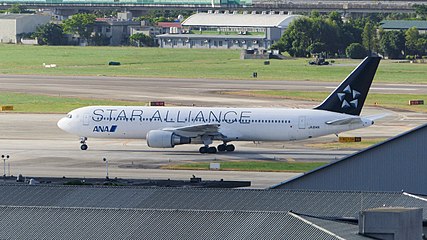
{"x":393,"y":101}
{"x":47,"y":104}
{"x":185,"y":63}
{"x":261,"y":166}
{"x":366,"y":142}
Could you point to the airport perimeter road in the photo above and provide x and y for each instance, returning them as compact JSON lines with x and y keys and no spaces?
{"x":202,"y":92}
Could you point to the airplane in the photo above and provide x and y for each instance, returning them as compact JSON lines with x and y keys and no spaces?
{"x":166,"y":127}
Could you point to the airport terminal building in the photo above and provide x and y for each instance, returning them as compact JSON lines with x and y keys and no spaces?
{"x":228,"y":31}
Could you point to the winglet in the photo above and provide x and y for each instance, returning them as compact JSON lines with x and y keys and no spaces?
{"x":350,"y":95}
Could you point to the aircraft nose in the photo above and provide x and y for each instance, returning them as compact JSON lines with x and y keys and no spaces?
{"x":63,"y":123}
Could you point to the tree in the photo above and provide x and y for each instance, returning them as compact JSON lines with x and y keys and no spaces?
{"x":356,"y":51}
{"x":316,"y":48}
{"x":155,"y":16}
{"x":142,"y":40}
{"x":49,"y":34}
{"x":369,"y":37}
{"x":327,"y":32}
{"x":297,"y":38}
{"x":421,"y":10}
{"x":17,"y":8}
{"x":422,"y":44}
{"x":80,"y":24}
{"x":335,"y":17}
{"x":392,"y":44}
{"x":412,"y":41}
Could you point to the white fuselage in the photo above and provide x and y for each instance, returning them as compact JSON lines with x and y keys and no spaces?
{"x":235,"y":124}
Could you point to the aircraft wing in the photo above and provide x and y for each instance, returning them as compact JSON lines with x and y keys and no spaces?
{"x":344,"y":121}
{"x":196,"y":130}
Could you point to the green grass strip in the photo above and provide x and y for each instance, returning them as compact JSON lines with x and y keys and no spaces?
{"x":256,"y":166}
{"x":366,"y":142}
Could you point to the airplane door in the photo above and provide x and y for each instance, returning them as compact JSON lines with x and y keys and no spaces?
{"x":86,"y":119}
{"x":301,"y":122}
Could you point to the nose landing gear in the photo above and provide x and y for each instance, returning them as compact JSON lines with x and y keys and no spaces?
{"x":83,"y":145}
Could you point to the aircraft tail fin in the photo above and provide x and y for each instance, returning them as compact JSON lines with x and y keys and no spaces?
{"x":350,"y":95}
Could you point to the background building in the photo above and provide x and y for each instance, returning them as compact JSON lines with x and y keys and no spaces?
{"x":117,"y":30}
{"x":228,"y":30}
{"x":397,"y":25}
{"x":11,"y":25}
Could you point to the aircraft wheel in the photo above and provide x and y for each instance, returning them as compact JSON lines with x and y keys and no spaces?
{"x":222,"y":148}
{"x":212,"y":150}
{"x":203,"y":149}
{"x":83,"y":147}
{"x":230,"y":148}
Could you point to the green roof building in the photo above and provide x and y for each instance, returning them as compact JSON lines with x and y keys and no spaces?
{"x":393,"y":25}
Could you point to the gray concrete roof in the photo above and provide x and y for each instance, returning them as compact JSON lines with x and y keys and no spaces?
{"x":397,"y":164}
{"x":239,"y":20}
{"x":345,"y":230}
{"x":15,"y":16}
{"x":95,"y":223}
{"x":101,"y":212}
{"x":316,"y":203}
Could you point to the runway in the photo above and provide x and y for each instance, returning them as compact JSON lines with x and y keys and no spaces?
{"x":38,"y":148}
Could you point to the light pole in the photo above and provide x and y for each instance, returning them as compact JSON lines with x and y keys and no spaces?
{"x":4,"y":157}
{"x":106,"y":166}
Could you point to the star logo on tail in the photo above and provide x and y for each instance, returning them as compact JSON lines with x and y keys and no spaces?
{"x":351,"y":101}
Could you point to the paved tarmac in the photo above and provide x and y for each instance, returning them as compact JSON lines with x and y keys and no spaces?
{"x":38,"y":148}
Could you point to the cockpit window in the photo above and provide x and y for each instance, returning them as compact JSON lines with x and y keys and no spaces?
{"x":69,"y":116}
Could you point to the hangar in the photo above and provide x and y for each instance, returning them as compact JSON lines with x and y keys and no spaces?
{"x":229,"y":31}
{"x":101,"y":212}
{"x":398,"y":164}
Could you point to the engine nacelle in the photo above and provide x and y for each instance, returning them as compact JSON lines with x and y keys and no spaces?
{"x":165,"y":139}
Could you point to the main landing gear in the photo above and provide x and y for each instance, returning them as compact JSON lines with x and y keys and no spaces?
{"x":221,"y":148}
{"x":83,"y":145}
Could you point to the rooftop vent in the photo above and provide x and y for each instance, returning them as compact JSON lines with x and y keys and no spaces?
{"x":391,"y":223}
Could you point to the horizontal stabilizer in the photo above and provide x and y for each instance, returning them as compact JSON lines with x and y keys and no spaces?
{"x":345,"y":121}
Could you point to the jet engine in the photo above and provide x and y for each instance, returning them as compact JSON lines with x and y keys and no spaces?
{"x":165,"y":139}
